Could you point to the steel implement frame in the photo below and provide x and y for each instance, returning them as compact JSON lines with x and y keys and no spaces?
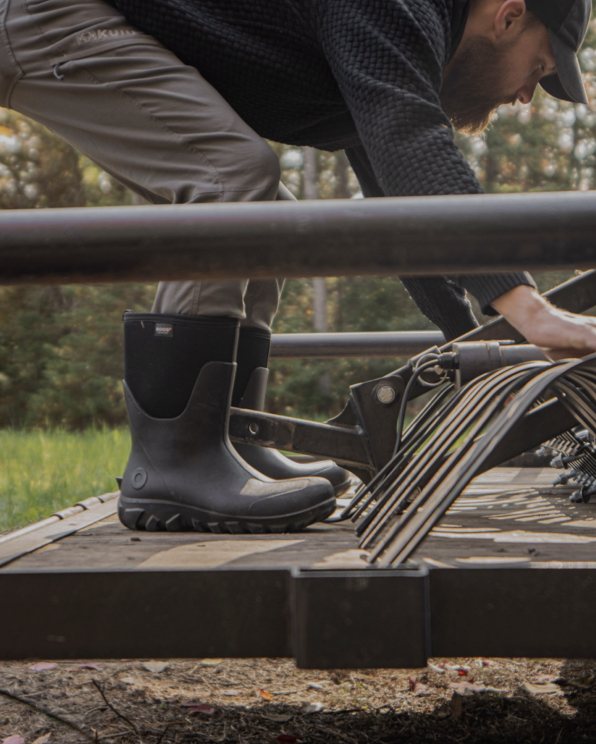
{"x":341,"y":345}
{"x":367,"y":429}
{"x":407,"y":236}
{"x":573,"y":381}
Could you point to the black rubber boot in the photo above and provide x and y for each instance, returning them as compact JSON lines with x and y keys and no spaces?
{"x":249,"y":393}
{"x":183,"y":473}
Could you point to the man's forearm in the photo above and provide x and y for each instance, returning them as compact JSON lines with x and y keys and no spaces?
{"x":561,"y":333}
{"x":520,"y":304}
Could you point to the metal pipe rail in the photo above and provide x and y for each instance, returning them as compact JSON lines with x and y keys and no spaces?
{"x":339,"y":345}
{"x":416,"y":235}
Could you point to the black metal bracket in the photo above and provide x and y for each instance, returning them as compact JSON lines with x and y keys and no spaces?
{"x":361,"y":618}
{"x":362,"y":437}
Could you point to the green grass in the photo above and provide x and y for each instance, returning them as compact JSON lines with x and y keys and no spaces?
{"x":43,"y":471}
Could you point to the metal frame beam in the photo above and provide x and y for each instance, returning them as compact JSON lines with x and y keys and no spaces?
{"x":325,"y":619}
{"x":415,"y":235}
{"x":342,"y":345}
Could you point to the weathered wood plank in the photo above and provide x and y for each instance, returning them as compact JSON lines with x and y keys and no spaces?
{"x":507,"y":516}
{"x":22,"y":544}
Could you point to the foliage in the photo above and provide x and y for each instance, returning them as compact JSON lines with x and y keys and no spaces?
{"x":61,"y":468}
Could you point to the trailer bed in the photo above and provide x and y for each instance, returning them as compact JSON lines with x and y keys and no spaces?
{"x":509,"y":571}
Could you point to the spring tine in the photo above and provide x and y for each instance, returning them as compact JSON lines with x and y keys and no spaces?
{"x":411,"y":431}
{"x":397,"y":546}
{"x":418,"y":506}
{"x":432,"y":460}
{"x":413,"y":470}
{"x":429,"y":459}
{"x":400,"y":461}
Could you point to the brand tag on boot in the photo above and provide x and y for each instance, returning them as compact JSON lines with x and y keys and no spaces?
{"x":165,"y":330}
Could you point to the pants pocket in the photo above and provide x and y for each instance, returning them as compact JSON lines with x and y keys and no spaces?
{"x":74,"y":29}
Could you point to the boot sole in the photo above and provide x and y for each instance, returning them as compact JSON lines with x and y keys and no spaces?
{"x":166,"y":516}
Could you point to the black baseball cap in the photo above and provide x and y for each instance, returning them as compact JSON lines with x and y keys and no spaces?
{"x":567,"y":23}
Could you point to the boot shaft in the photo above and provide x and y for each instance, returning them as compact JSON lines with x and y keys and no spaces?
{"x":164,"y":355}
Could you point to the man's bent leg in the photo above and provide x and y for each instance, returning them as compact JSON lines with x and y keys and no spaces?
{"x":158,"y":127}
{"x":132,"y":107}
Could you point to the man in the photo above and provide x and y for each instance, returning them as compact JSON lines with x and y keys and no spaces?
{"x":174,"y":98}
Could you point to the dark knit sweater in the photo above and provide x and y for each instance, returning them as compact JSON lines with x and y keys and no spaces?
{"x":363,"y":75}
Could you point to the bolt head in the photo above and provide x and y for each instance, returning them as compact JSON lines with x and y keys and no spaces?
{"x":385,"y":394}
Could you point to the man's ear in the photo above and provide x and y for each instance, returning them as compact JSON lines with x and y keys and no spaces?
{"x":509,"y":18}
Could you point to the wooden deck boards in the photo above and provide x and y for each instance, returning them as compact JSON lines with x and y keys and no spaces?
{"x":507,"y":516}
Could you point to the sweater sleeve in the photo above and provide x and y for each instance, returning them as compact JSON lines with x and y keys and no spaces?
{"x":387,"y":58}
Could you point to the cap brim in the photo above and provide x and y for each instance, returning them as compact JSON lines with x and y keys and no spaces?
{"x":567,"y":83}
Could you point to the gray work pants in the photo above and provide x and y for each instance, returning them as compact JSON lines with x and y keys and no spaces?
{"x":131,"y":106}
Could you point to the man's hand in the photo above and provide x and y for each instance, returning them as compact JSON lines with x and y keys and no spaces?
{"x":558,"y":333}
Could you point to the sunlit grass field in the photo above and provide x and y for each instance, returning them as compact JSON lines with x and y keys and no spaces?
{"x":43,"y":471}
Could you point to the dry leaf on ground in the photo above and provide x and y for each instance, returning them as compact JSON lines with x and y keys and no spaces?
{"x":155,"y":667}
{"x":313,"y":708}
{"x":94,"y":666}
{"x":41,"y":666}
{"x":545,"y":689}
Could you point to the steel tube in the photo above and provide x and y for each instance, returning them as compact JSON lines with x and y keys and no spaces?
{"x":338,"y":345}
{"x":416,"y":235}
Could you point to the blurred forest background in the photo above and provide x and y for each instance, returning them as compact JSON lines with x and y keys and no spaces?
{"x":60,"y":347}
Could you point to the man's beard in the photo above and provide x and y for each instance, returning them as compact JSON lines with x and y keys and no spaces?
{"x":473,"y":85}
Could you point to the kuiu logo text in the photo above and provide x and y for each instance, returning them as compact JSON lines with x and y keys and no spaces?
{"x":101,"y":34}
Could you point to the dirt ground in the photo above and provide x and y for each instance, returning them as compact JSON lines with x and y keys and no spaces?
{"x":269,"y":701}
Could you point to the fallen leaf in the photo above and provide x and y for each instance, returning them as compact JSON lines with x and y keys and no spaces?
{"x":89,"y":665}
{"x":284,"y":692}
{"x":190,"y":704}
{"x":544,"y":689}
{"x":266,"y":695}
{"x":450,"y":667}
{"x":14,"y":739}
{"x":542,"y":679}
{"x":417,"y":687}
{"x":278,"y":718}
{"x":436,"y":669}
{"x":314,"y":686}
{"x":466,"y":688}
{"x":313,"y":708}
{"x":469,"y":688}
{"x":155,"y":667}
{"x":42,"y":739}
{"x":231,"y":693}
{"x":462,"y":672}
{"x":196,"y":708}
{"x":211,"y":662}
{"x":287,"y":739}
{"x":488,"y":663}
{"x":41,"y":666}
